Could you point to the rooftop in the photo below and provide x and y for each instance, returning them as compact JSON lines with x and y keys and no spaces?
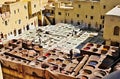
{"x":115,"y":11}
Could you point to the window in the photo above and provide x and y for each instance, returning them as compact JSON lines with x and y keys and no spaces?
{"x":104,"y":7}
{"x":19,"y":21}
{"x":71,"y":21}
{"x":78,"y":23}
{"x":6,"y":23}
{"x":102,"y":17}
{"x":34,"y":5}
{"x":11,"y":33}
{"x":116,"y":30}
{"x":86,"y":16}
{"x":92,"y":7}
{"x":18,"y":10}
{"x":91,"y":17}
{"x":79,"y":6}
{"x":68,"y":14}
{"x":25,"y":7}
{"x":59,"y":13}
{"x":26,"y":17}
{"x":77,"y":15}
{"x":19,"y":31}
{"x":14,"y":11}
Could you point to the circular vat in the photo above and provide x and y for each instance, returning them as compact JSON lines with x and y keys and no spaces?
{"x":86,"y":72}
{"x":93,"y":63}
{"x":83,"y":77}
{"x":95,"y":49}
{"x":98,"y":46}
{"x":12,"y":58}
{"x":90,"y":67}
{"x":90,"y":45}
{"x":86,"y":48}
{"x":106,"y":47}
{"x":44,"y":65}
{"x":103,"y":51}
{"x":50,"y":60}
{"x":6,"y":57}
{"x":99,"y":73}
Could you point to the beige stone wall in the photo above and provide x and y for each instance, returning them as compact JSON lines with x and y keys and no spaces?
{"x":110,"y":23}
{"x":85,"y":11}
{"x":18,"y":18}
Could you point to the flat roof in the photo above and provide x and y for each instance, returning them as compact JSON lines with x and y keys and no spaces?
{"x":115,"y":11}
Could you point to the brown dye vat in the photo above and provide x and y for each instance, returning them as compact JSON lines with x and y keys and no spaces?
{"x":103,"y":51}
{"x":63,"y":65}
{"x":1,"y":54}
{"x":12,"y":58}
{"x":66,"y":62}
{"x":44,"y":65}
{"x":24,"y":61}
{"x":95,"y":49}
{"x":55,"y":67}
{"x":1,"y":46}
{"x":6,"y":57}
{"x":99,"y":73}
{"x":84,"y":77}
{"x":98,"y":46}
{"x":50,"y":60}
{"x":18,"y":59}
{"x":14,"y":40}
{"x":86,"y":72}
{"x":106,"y":47}
{"x":37,"y":63}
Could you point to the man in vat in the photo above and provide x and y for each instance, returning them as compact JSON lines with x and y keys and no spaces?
{"x":113,"y":75}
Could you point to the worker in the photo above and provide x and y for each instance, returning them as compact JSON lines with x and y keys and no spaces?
{"x":71,"y":54}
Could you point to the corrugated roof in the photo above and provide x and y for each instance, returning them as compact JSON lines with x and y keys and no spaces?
{"x":115,"y":11}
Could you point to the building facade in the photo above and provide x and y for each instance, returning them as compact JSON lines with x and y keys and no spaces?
{"x":89,"y":13}
{"x":112,"y":27}
{"x":20,"y":15}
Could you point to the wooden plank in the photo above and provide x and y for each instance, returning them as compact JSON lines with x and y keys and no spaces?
{"x":1,"y":74}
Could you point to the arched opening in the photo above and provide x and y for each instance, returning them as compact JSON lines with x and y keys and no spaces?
{"x":19,"y":31}
{"x":116,"y":30}
{"x":78,"y":23}
{"x":89,"y":26}
{"x":65,"y":21}
{"x":71,"y":21}
{"x":1,"y":35}
{"x":15,"y":33}
{"x":27,"y":27}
